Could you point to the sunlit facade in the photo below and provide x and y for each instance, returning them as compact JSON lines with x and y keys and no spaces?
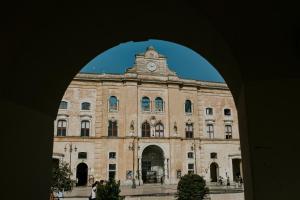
{"x":147,"y":124}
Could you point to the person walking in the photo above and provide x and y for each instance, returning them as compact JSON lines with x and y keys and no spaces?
{"x":162,"y":179}
{"x":241,"y":181}
{"x":60,"y":195}
{"x":94,"y":191}
{"x":228,"y":182}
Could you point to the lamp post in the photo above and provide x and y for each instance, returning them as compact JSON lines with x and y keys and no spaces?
{"x":70,"y":145}
{"x":132,"y":148}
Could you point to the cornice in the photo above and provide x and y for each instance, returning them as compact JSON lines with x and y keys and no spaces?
{"x":151,"y":79}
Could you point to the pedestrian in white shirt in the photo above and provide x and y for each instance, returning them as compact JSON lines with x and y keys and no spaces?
{"x":94,"y":191}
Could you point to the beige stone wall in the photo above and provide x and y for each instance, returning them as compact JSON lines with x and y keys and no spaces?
{"x":129,"y":89}
{"x":177,"y":146}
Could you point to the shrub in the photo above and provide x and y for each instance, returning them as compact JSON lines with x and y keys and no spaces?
{"x":61,"y":180}
{"x":109,"y":191}
{"x":191,"y":187}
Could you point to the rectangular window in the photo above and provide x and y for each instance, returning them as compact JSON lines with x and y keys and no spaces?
{"x":188,"y":106}
{"x":85,"y":106}
{"x":190,"y":168}
{"x":112,"y":171}
{"x":227,"y":112}
{"x":178,"y":174}
{"x":112,"y":128}
{"x":213,"y":155}
{"x":63,"y":105}
{"x":85,"y":128}
{"x":209,"y":111}
{"x":190,"y":155}
{"x":82,"y":155}
{"x":112,"y":155}
{"x":210,"y":130}
{"x":189,"y":133}
{"x":61,"y":127}
{"x":228,"y":131}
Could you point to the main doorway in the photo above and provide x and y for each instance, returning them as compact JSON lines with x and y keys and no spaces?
{"x":153,"y":164}
{"x":214,"y":171}
{"x":236,"y":169}
{"x":82,"y":174}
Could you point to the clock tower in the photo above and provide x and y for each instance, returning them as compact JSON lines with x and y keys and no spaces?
{"x":151,"y":63}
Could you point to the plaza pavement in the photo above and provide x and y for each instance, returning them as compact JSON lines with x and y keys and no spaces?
{"x":159,"y":192}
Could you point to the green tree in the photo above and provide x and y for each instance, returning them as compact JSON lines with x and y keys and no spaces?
{"x":61,"y":180}
{"x":191,"y":187}
{"x":109,"y":190}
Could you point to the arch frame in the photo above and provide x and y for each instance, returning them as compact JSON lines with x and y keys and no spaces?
{"x":87,"y":172}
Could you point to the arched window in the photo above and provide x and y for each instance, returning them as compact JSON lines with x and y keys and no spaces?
{"x":63,"y":105}
{"x":113,"y":104}
{"x":85,"y":106}
{"x":61,"y":127}
{"x":159,"y":104}
{"x":189,"y":131}
{"x":85,"y":128}
{"x":145,"y":104}
{"x":145,"y":129}
{"x":112,"y":128}
{"x":159,"y":130}
{"x":188,"y":106}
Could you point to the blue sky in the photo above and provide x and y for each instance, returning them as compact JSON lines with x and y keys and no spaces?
{"x":184,"y":61}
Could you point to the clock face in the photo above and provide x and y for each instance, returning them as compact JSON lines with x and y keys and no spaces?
{"x":151,"y":66}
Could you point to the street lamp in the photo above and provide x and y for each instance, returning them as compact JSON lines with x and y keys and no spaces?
{"x":132,"y":148}
{"x":70,"y":145}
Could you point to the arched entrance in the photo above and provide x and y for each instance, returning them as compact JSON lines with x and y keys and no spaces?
{"x":81,"y":174}
{"x":152,"y":164}
{"x":236,"y":168}
{"x":214,"y":171}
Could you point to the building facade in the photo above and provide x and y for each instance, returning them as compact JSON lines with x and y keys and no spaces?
{"x":146,"y":126}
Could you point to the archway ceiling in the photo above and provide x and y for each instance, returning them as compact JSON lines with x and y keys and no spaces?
{"x":45,"y":44}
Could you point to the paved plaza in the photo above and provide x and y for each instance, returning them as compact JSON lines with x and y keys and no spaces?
{"x":159,"y":192}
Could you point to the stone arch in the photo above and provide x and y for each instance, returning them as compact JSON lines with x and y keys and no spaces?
{"x":153,"y":164}
{"x":213,"y":47}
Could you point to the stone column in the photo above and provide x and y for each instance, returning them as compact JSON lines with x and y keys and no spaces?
{"x":140,"y":170}
{"x":166,"y":170}
{"x":241,"y":168}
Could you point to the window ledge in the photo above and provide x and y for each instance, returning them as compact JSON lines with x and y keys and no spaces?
{"x":113,"y":111}
{"x":158,"y":112}
{"x":85,"y":115}
{"x":62,"y":115}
